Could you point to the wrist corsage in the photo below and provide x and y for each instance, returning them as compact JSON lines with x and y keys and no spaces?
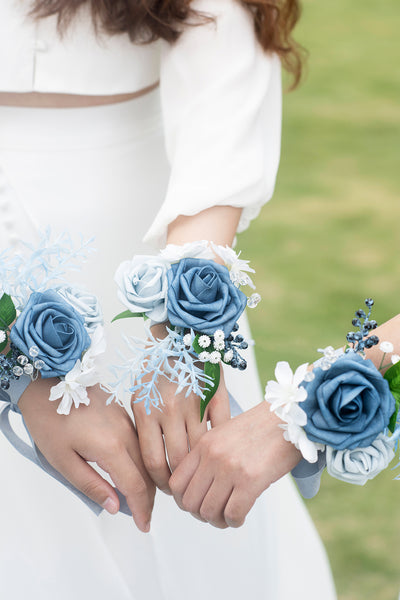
{"x":48,"y":327}
{"x":343,"y":406}
{"x":201,"y":301}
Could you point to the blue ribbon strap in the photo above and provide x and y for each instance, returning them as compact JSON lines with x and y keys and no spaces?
{"x":33,"y":453}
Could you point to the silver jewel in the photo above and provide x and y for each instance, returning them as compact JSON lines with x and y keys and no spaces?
{"x":28,"y":369}
{"x":309,"y":376}
{"x":253,"y":300}
{"x":39,"y":364}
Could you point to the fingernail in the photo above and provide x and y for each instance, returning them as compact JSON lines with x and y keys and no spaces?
{"x":110,"y":506}
{"x":146,"y":527}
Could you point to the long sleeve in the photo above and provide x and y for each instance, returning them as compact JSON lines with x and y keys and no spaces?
{"x":221,"y":103}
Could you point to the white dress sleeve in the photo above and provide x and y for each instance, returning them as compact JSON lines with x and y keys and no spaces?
{"x":221,"y":103}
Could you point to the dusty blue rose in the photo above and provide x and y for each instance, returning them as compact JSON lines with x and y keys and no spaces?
{"x":348,"y":405}
{"x":55,"y":328}
{"x":202,"y":296}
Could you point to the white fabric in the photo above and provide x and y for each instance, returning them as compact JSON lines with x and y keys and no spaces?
{"x":103,"y":171}
{"x":221,"y":98}
{"x":33,"y":57}
{"x":220,"y":93}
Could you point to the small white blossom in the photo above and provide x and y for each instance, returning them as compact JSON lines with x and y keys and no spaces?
{"x":2,"y":336}
{"x":386,"y":347}
{"x":204,"y":356}
{"x":204,"y":341}
{"x":395,"y":358}
{"x":72,"y":389}
{"x":219,"y":335}
{"x":296,"y":435}
{"x":219,"y":344}
{"x":215,"y":358}
{"x":187,"y":339}
{"x":236,"y":265}
{"x":228,"y":356}
{"x":286,"y":392}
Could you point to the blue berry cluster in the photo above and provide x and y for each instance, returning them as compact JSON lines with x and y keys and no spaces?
{"x":236,"y":343}
{"x":7,"y":367}
{"x":361,"y":339}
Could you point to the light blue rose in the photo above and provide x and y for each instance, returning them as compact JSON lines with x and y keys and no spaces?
{"x":55,"y":328}
{"x":348,"y":405}
{"x":85,"y":304}
{"x":201,"y":296}
{"x":360,"y":464}
{"x":142,"y":286}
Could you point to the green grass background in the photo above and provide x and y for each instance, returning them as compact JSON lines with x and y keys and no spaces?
{"x":331,"y":237}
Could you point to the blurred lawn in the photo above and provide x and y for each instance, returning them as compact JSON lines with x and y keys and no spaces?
{"x":330,"y":238}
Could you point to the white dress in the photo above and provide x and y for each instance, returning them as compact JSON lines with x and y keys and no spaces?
{"x":104,"y":171}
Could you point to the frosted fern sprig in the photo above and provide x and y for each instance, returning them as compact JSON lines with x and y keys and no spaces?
{"x":167,"y":357}
{"x":40,"y":267}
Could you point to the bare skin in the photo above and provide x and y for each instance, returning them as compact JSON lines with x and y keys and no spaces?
{"x":176,"y":429}
{"x":95,"y":433}
{"x":235,"y":462}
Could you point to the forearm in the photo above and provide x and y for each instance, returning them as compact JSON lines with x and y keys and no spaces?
{"x":217,"y":224}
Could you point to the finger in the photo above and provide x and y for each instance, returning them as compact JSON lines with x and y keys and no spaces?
{"x":195,"y":427}
{"x":219,"y":410}
{"x":237,"y":507}
{"x":133,"y":448}
{"x":130,"y":482}
{"x":87,"y":480}
{"x":182,"y":476}
{"x":176,"y":442}
{"x":214,"y":503}
{"x":196,"y":491}
{"x":153,"y":453}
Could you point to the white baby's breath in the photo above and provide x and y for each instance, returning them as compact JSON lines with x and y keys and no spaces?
{"x":395,"y":358}
{"x":215,"y":358}
{"x":386,"y":347}
{"x":228,"y":356}
{"x":219,"y":344}
{"x":187,"y":339}
{"x":2,"y":336}
{"x":204,"y":356}
{"x":204,"y":341}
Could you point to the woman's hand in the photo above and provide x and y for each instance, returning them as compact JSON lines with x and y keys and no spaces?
{"x":95,"y":433}
{"x":231,"y":466}
{"x":176,"y":428}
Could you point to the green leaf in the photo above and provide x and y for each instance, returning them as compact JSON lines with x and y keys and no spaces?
{"x":8,"y":314}
{"x":127,"y":314}
{"x":213,"y":371}
{"x":392,"y":376}
{"x":196,"y":346}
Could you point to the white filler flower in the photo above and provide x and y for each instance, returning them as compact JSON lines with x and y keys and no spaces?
{"x":386,"y":347}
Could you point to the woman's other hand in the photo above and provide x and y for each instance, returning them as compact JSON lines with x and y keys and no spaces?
{"x":95,"y":433}
{"x":231,"y":466}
